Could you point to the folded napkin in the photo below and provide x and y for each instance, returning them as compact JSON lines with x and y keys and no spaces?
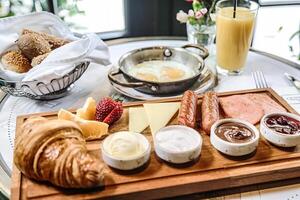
{"x":61,"y":60}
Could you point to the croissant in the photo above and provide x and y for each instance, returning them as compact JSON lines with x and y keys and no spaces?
{"x":55,"y":151}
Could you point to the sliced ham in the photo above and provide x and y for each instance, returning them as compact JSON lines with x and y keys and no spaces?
{"x":241,"y":107}
{"x":267,"y":103}
{"x":249,"y":107}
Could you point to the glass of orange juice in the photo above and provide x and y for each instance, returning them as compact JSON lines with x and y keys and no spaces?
{"x":234,"y":34}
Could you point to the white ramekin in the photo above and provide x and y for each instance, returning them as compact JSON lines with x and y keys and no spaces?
{"x":234,"y":149}
{"x":126,"y":164}
{"x":183,"y":156}
{"x":279,"y":139}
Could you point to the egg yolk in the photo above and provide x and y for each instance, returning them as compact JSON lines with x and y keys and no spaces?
{"x":146,"y":76}
{"x":171,"y":73}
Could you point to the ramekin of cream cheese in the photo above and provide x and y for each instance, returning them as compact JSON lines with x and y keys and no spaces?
{"x":125,"y":150}
{"x":177,"y":144}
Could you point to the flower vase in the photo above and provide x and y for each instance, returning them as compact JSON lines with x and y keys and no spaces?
{"x":201,"y":34}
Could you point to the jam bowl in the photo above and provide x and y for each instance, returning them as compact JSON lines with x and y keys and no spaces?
{"x":149,"y":69}
{"x":281,"y":129}
{"x":234,"y":137}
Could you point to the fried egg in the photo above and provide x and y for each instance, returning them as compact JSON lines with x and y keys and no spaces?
{"x":161,"y":71}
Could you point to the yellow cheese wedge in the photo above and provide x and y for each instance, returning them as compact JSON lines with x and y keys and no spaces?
{"x":159,"y":114}
{"x":90,"y":129}
{"x":88,"y":110}
{"x":138,"y":120}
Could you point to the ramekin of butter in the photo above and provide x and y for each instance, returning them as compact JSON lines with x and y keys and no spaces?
{"x":177,"y":144}
{"x":234,"y":137}
{"x":125,"y":150}
{"x":281,"y":129}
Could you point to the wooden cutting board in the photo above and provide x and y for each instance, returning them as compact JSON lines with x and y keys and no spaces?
{"x":158,"y":179}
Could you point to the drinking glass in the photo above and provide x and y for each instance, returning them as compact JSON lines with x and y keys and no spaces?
{"x":234,"y":34}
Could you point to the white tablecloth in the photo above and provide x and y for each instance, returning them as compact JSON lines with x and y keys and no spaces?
{"x":95,"y":83}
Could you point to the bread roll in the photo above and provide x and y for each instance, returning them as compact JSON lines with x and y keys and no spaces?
{"x":54,"y":41}
{"x":33,"y":45}
{"x":16,"y":61}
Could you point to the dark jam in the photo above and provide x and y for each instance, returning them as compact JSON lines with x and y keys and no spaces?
{"x":283,"y":124}
{"x":234,"y":132}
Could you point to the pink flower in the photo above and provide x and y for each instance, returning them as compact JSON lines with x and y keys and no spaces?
{"x":198,"y":14}
{"x":203,"y":11}
{"x":191,"y":13}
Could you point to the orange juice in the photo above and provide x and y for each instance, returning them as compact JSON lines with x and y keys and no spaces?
{"x":234,"y":37}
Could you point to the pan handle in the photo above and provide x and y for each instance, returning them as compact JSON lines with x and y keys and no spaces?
{"x":204,"y":52}
{"x":111,"y":77}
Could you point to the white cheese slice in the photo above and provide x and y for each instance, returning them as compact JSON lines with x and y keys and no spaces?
{"x":159,"y":114}
{"x":138,"y":120}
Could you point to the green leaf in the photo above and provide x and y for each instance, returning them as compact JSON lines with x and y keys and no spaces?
{"x":196,"y":5}
{"x":192,"y":20}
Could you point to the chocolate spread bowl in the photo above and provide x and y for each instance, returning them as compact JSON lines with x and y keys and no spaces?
{"x":281,"y":129}
{"x":181,"y":55}
{"x":234,"y":137}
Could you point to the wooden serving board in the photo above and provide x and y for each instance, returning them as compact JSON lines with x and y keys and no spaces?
{"x":158,"y":179}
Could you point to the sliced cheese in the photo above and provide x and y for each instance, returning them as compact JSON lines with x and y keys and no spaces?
{"x":138,"y":120}
{"x":159,"y":114}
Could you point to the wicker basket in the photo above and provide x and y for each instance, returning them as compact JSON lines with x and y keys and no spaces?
{"x":44,"y":91}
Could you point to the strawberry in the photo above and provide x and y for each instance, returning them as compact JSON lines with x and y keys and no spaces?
{"x":104,"y":107}
{"x":115,"y":114}
{"x":108,"y":111}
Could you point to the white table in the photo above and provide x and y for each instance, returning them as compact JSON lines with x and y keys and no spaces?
{"x":95,"y":83}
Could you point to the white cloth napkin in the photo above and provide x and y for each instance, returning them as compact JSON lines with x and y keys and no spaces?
{"x":60,"y":61}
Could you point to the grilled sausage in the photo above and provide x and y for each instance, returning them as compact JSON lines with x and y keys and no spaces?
{"x":188,"y":109}
{"x":210,"y":110}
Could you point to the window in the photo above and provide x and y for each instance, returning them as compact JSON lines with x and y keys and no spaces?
{"x":92,"y":15}
{"x":278,"y":2}
{"x":20,"y":7}
{"x":274,"y":27}
{"x":82,"y":16}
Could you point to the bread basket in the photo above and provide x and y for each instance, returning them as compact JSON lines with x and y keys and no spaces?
{"x":39,"y":90}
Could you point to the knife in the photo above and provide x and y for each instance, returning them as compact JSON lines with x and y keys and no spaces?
{"x":295,"y":81}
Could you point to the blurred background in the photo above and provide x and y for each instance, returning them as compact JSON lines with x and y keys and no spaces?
{"x":277,"y":29}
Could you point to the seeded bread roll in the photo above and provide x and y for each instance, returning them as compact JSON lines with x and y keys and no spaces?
{"x":54,"y":41}
{"x":37,"y":60}
{"x":33,"y":45}
{"x":16,"y":61}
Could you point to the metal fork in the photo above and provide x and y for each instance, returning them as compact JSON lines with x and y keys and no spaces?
{"x":259,"y":79}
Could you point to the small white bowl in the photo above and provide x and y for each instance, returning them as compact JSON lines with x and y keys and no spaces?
{"x":126,"y":163}
{"x":234,"y":149}
{"x":276,"y":138}
{"x":164,"y":149}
